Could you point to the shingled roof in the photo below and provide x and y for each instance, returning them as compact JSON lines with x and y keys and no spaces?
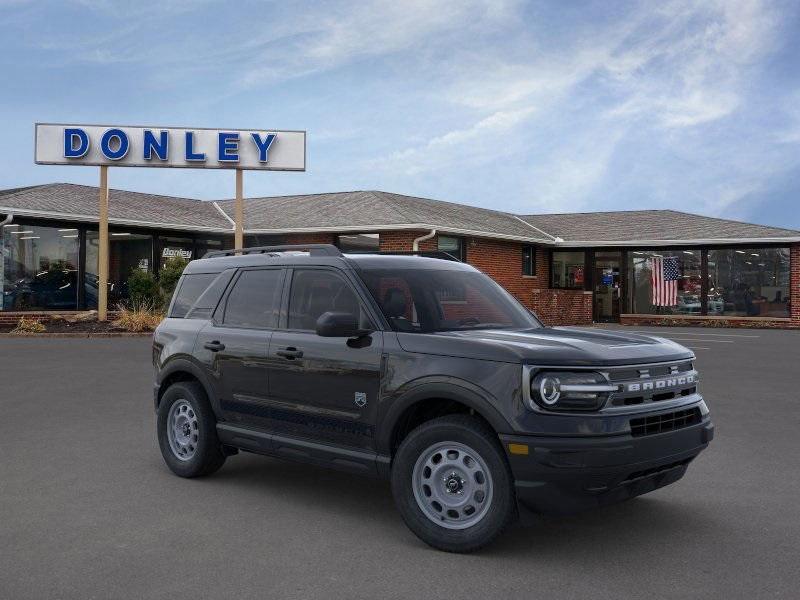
{"x":643,"y":226}
{"x":374,"y":211}
{"x":79,"y":202}
{"x":365,"y":211}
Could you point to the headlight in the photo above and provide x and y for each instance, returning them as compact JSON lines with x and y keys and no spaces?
{"x":569,"y":390}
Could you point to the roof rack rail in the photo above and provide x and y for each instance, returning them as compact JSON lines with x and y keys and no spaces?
{"x":443,"y":254}
{"x":313,"y":250}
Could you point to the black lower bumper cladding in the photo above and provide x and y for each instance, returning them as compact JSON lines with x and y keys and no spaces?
{"x":567,"y":475}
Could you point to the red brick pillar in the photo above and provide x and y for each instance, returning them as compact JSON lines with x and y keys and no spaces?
{"x":311,"y":238}
{"x":403,"y":241}
{"x":794,"y":284}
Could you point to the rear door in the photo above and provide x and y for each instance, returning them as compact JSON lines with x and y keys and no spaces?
{"x":324,"y":389}
{"x":234,"y":345}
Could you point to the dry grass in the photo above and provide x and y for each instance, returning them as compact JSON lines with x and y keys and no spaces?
{"x":26,"y":325}
{"x":138,"y":318}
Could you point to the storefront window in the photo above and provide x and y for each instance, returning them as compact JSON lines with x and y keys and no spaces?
{"x":666,"y":282}
{"x":568,"y":270}
{"x":128,"y":251}
{"x":747,"y":282}
{"x":176,"y":247}
{"x":359,"y":242}
{"x":39,"y":268}
{"x":209,"y":245}
{"x":263,"y":239}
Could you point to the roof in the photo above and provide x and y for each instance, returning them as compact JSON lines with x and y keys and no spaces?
{"x":375,"y":211}
{"x":80,"y":202}
{"x":372,"y":211}
{"x":645,"y":226}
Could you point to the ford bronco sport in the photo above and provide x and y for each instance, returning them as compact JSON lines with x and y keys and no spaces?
{"x":423,"y":371}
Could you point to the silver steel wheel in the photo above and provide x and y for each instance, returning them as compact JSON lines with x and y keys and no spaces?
{"x":452,"y":485}
{"x":183,"y":430}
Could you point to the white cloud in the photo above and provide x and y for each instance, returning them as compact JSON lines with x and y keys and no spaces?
{"x":465,"y":146}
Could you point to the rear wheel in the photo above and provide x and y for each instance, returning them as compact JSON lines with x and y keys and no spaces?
{"x":187,"y":433}
{"x":452,"y":484}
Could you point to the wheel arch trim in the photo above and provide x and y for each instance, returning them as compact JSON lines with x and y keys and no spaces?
{"x":183,"y":365}
{"x":440,"y":389}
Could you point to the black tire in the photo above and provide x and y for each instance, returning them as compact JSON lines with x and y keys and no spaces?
{"x":474,"y":433}
{"x":208,"y":454}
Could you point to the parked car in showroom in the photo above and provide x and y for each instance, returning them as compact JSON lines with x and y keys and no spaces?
{"x":422,"y":371}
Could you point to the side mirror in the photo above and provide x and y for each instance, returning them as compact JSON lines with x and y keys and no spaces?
{"x":339,"y":324}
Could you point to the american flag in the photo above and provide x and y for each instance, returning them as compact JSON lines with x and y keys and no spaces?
{"x":664,"y":279}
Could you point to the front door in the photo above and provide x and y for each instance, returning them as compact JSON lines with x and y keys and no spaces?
{"x":607,"y":286}
{"x":326,"y":387}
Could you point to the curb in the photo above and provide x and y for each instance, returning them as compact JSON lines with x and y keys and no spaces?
{"x":121,"y":334}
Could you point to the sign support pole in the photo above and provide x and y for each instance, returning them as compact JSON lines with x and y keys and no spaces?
{"x":102,"y":255}
{"x":238,"y":241}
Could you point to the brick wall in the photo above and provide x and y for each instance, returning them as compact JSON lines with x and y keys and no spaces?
{"x":13,"y":317}
{"x":311,"y":238}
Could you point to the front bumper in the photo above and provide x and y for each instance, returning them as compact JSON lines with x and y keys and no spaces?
{"x":562,"y":475}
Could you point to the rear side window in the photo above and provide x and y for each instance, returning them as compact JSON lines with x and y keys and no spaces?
{"x":254,"y":299}
{"x":189,"y":291}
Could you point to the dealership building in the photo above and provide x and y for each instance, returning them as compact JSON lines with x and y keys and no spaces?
{"x":635,"y":267}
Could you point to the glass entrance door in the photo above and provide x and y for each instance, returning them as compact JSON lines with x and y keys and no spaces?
{"x":607,"y":286}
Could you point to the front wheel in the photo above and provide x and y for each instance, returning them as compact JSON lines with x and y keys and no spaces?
{"x":187,"y":433}
{"x":452,"y":484}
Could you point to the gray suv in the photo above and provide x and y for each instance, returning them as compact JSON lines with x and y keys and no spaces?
{"x":423,"y":371}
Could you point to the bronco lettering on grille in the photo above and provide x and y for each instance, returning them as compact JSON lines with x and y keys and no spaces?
{"x":660,"y":384}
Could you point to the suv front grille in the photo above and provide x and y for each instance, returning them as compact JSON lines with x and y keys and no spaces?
{"x":654,"y":424}
{"x":652,"y":383}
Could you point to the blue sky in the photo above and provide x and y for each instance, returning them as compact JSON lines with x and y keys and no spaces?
{"x":556,"y":106}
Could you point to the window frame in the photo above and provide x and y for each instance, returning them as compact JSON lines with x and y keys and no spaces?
{"x":461,"y":256}
{"x":533,"y":260}
{"x":222,"y":307}
{"x":588,"y":261}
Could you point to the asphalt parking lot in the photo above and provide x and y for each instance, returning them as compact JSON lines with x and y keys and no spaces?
{"x":88,"y":509}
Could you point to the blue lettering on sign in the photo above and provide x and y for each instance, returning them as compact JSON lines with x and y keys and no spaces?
{"x":122,"y":148}
{"x":228,"y":147}
{"x":263,"y":145}
{"x":190,"y":153}
{"x":159,"y":146}
{"x":71,"y":136}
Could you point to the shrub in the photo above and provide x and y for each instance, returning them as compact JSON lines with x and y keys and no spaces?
{"x":143,"y":288}
{"x":139,"y":317}
{"x":169,"y":275}
{"x":26,"y":325}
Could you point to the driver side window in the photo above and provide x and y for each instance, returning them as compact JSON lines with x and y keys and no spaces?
{"x":317,"y":291}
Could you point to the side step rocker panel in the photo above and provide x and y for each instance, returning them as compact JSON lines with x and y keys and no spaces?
{"x":362,"y":462}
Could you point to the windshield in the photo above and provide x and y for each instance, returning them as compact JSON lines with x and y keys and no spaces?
{"x":427,"y":301}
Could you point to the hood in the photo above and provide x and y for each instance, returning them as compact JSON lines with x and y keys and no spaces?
{"x":547,"y":346}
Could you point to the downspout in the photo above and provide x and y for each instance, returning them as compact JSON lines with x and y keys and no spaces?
{"x":7,"y":220}
{"x":427,"y":236}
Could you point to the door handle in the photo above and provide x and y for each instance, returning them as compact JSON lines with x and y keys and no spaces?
{"x":214,"y":346}
{"x":290,"y":353}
